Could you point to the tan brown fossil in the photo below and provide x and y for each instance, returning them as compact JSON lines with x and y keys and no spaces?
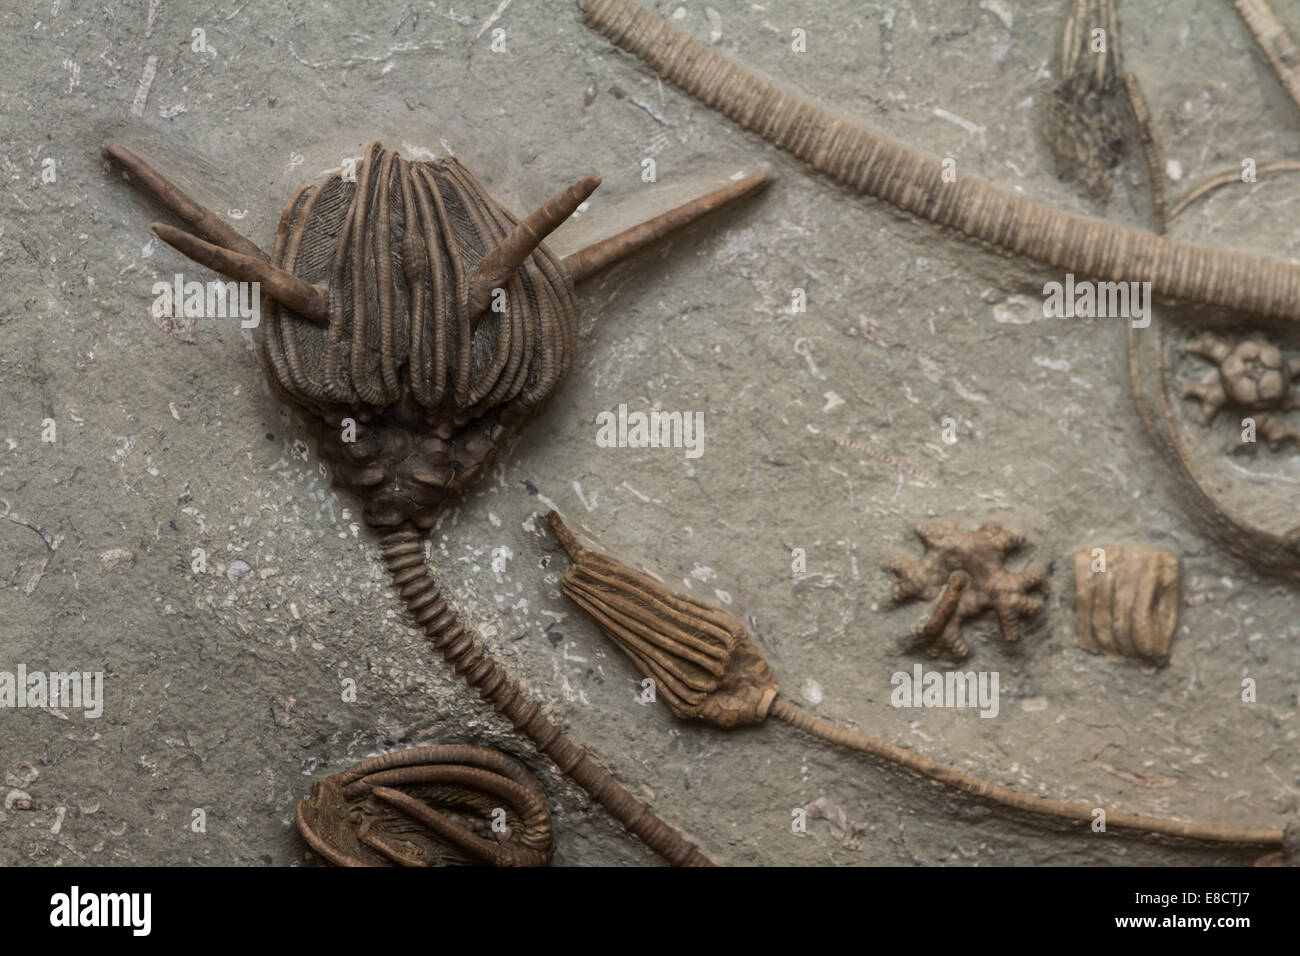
{"x":429,"y":806}
{"x":962,"y":571}
{"x":1252,"y":376}
{"x":718,"y":676}
{"x":701,"y":658}
{"x":1126,"y":601}
{"x":1081,"y":112}
{"x":875,"y":166}
{"x":416,"y":324}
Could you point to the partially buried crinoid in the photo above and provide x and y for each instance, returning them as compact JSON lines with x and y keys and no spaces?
{"x":1252,"y":376}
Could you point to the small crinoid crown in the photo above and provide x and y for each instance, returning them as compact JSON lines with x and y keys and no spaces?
{"x":411,"y":318}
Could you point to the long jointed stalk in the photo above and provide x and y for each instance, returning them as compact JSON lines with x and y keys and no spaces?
{"x":876,"y":166}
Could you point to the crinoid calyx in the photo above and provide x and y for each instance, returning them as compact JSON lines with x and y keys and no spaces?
{"x":1251,"y":376}
{"x":702,"y":660}
{"x":416,"y":323}
{"x":964,"y":571}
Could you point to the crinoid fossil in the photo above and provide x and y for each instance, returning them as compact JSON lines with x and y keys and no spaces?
{"x":1126,"y":601}
{"x":429,"y":806}
{"x":415,"y":324}
{"x":964,"y":571}
{"x":1082,"y":115}
{"x":1251,"y":376}
{"x":705,"y":665}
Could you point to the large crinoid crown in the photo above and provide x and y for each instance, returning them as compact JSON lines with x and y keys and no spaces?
{"x":411,"y":318}
{"x":434,"y":344}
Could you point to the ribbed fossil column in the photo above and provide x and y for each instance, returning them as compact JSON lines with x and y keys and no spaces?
{"x":1274,"y":41}
{"x":403,"y":552}
{"x":876,"y":166}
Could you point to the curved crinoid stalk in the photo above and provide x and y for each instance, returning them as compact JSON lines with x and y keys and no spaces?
{"x":964,"y":571}
{"x":416,"y":323}
{"x":705,"y":666}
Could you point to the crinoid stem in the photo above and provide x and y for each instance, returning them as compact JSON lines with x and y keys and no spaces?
{"x":1151,"y":152}
{"x":599,"y":255}
{"x":1009,"y":798}
{"x":675,"y":623}
{"x":1228,"y":177}
{"x":878,"y":167}
{"x":403,"y":553}
{"x":1274,"y":41}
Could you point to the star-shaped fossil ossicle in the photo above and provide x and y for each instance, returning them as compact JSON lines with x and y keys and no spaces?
{"x":963,"y":572}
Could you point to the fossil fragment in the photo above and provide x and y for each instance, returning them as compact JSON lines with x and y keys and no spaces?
{"x":964,"y":571}
{"x":415,"y":324}
{"x":671,"y":622}
{"x":1140,"y":111}
{"x":701,"y":658}
{"x":873,"y":165}
{"x":1251,"y":376}
{"x":1276,"y":43}
{"x":429,"y":806}
{"x":1126,"y":601}
{"x":1082,"y":118}
{"x":1228,"y":177}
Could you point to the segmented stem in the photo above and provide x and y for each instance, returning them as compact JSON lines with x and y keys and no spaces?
{"x":878,"y":167}
{"x":1009,"y":798}
{"x":1274,"y":41}
{"x":403,"y":552}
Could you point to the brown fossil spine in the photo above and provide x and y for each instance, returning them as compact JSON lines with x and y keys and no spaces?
{"x":1059,"y":809}
{"x":205,"y":223}
{"x":600,"y":255}
{"x":876,"y":166}
{"x":403,"y":553}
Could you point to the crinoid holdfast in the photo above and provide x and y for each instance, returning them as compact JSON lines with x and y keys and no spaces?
{"x":415,"y":324}
{"x":706,"y":666}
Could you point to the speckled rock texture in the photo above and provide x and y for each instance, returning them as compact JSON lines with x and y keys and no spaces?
{"x":920,"y":384}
